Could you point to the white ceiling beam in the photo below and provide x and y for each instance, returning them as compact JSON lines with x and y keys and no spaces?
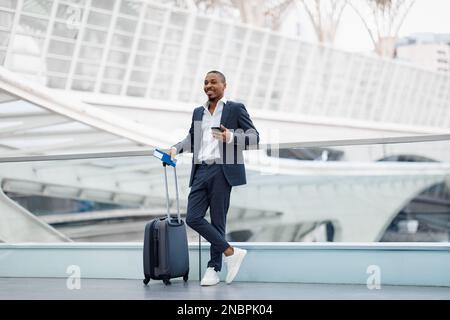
{"x":78,"y":111}
{"x":24,"y":123}
{"x":68,"y":134}
{"x":4,"y":98}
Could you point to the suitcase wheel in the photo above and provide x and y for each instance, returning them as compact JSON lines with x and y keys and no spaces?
{"x":166,"y":282}
{"x":185,"y":278}
{"x":146,"y":281}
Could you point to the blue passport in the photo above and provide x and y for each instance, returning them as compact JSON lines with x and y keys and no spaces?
{"x":164,"y":157}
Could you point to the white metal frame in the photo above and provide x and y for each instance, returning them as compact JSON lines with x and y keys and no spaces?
{"x":106,"y":51}
{"x":418,"y":98}
{"x":133,"y":51}
{"x":75,"y":57}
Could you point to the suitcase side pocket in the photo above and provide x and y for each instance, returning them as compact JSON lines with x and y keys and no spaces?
{"x":153,"y":250}
{"x":155,"y":255}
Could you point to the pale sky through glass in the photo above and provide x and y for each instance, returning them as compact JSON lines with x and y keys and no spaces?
{"x":425,"y":16}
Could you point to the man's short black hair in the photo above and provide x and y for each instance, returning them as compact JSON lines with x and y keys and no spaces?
{"x":221,"y":75}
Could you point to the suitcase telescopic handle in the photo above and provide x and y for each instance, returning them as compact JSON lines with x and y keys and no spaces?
{"x":167,"y":192}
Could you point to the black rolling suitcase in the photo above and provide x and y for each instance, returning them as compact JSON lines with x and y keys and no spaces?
{"x":166,"y":254}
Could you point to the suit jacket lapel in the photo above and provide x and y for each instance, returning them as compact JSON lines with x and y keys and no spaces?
{"x":225,"y":114}
{"x":198,"y":117}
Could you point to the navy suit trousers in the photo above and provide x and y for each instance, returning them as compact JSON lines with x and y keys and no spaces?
{"x":210,"y":189}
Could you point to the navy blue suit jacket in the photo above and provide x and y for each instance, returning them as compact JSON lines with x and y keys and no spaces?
{"x":245,"y":136}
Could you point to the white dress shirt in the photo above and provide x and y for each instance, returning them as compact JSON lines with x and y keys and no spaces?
{"x":209,"y":148}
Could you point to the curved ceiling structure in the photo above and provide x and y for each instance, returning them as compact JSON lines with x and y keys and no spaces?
{"x":35,"y":120}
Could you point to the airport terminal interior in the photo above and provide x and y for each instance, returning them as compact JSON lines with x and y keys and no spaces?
{"x":347,"y":195}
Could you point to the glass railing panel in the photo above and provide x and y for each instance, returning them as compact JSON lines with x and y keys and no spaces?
{"x":389,"y":192}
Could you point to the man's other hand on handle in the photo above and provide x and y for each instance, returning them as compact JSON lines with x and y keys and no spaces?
{"x":172,"y":153}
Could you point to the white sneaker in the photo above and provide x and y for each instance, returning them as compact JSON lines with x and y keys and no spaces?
{"x":234,"y":263}
{"x":210,"y":278}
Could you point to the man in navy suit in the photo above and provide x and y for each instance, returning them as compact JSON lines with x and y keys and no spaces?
{"x":217,"y":166}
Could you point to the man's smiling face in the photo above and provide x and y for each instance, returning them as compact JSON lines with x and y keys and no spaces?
{"x":214,"y":86}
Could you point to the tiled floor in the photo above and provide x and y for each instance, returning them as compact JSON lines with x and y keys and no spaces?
{"x":105,"y":289}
